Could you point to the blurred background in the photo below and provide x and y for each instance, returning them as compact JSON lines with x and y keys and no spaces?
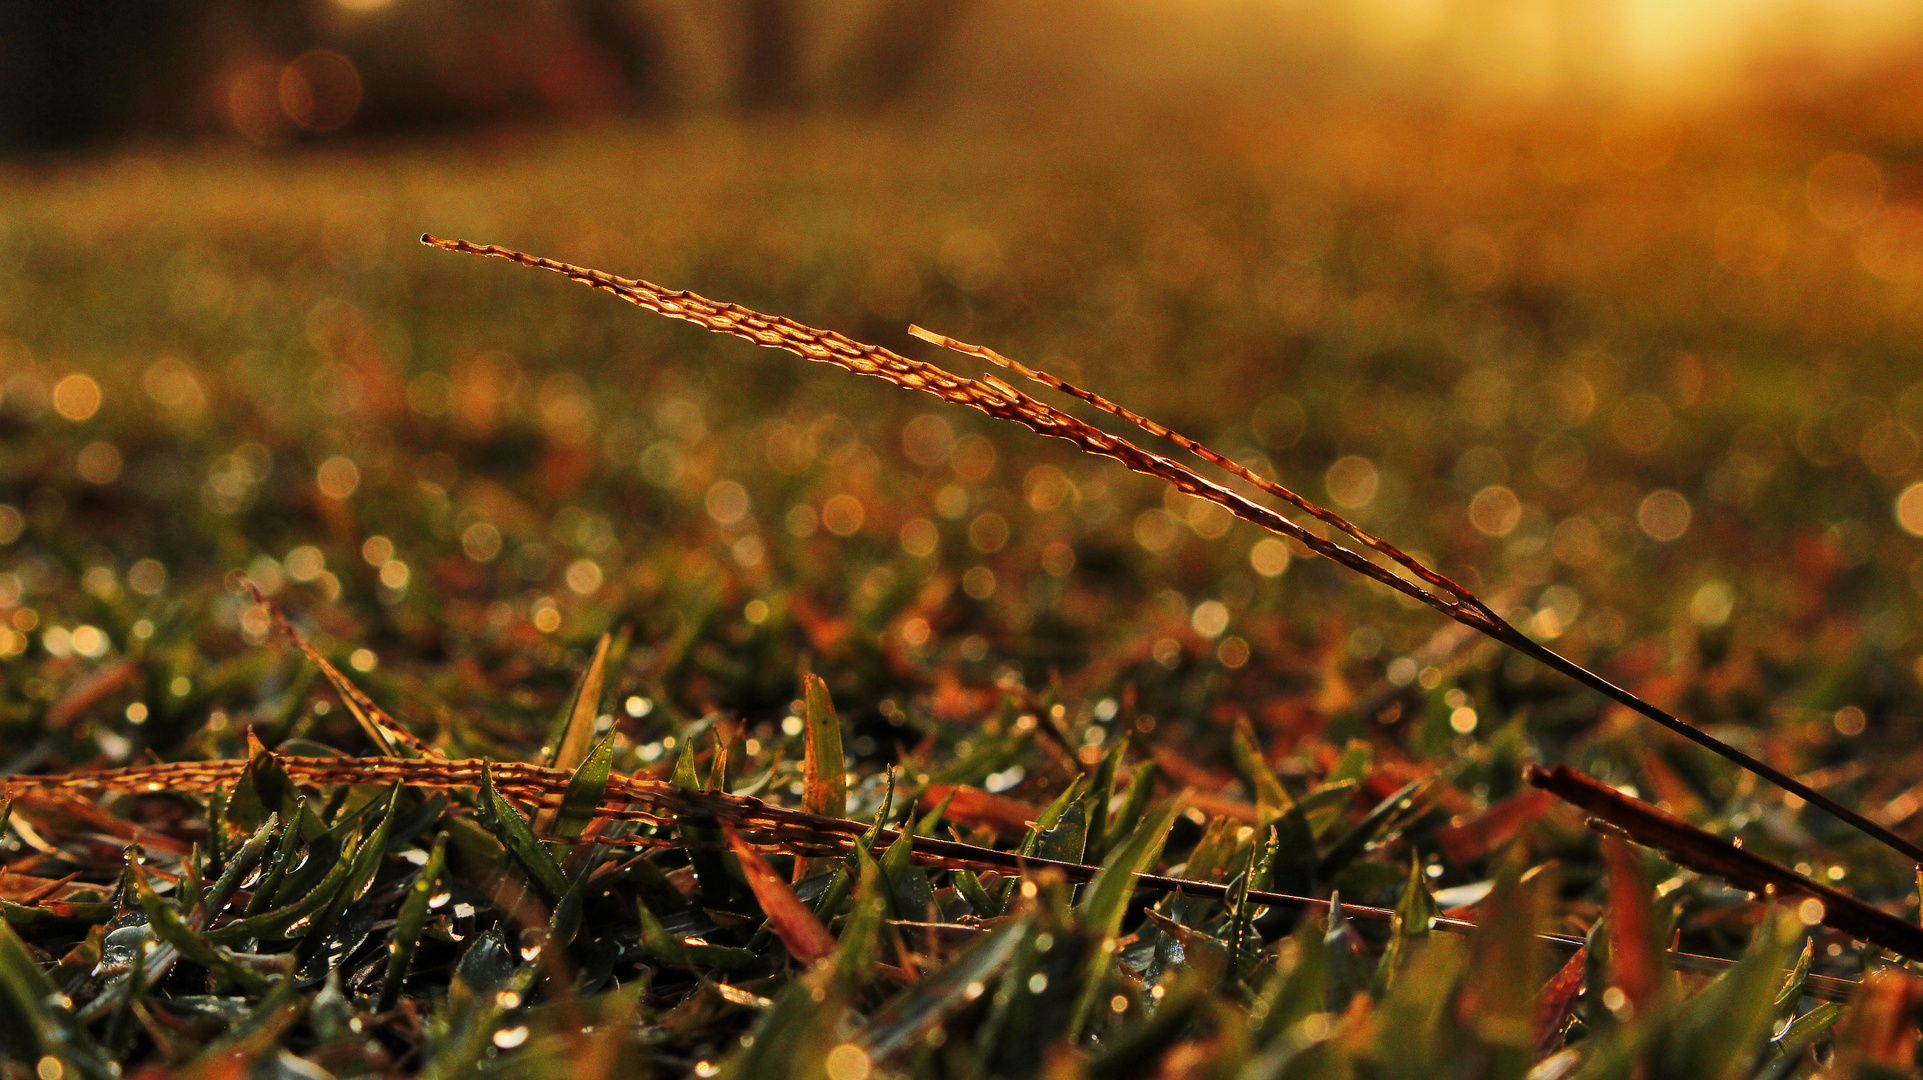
{"x":279,"y":72}
{"x":1608,"y":307}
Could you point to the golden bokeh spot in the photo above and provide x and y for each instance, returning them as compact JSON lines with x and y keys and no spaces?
{"x":320,"y":90}
{"x":1909,"y":509}
{"x":1495,"y":511}
{"x":1664,"y":515}
{"x":98,"y":463}
{"x":1844,"y":190}
{"x":338,"y":477}
{"x":77,"y":397}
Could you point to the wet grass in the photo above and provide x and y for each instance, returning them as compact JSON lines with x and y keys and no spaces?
{"x":1659,"y":417}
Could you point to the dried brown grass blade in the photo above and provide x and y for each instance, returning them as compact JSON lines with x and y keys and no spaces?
{"x":1878,"y":1036}
{"x":997,"y":398}
{"x":1634,"y":952}
{"x":1687,"y":845}
{"x":794,"y":924}
{"x":1557,"y":1003}
{"x":380,"y":728}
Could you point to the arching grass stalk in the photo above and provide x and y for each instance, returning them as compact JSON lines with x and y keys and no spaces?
{"x":997,"y":398}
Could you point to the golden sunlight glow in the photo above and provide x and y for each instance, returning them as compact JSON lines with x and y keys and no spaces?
{"x":1651,"y":46}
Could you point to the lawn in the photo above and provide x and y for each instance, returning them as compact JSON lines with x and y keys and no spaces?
{"x":1647,"y":390}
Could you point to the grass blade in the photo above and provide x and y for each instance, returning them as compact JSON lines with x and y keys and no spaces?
{"x":1269,"y":796}
{"x":1369,"y":830}
{"x":1106,"y":900}
{"x":824,"y":779}
{"x":585,"y":787}
{"x":903,"y":1018}
{"x":511,"y":829}
{"x":278,"y":921}
{"x":409,"y":923}
{"x":573,"y":730}
{"x":169,"y":927}
{"x":693,"y":955}
{"x":797,"y":926}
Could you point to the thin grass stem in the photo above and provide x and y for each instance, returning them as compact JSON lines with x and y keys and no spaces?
{"x":995,"y":397}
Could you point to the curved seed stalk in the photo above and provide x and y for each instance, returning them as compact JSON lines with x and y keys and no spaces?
{"x":997,"y":398}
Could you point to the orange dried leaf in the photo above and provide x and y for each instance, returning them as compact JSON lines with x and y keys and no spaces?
{"x":793,"y":923}
{"x":973,"y":806}
{"x":1880,"y":1027}
{"x":1635,"y":958}
{"x":1485,"y":832}
{"x":1557,"y":1002}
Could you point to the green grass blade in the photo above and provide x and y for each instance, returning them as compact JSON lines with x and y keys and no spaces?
{"x":795,"y":1038}
{"x":1106,"y":901}
{"x":1296,"y":990}
{"x":1370,"y":829}
{"x":169,"y":927}
{"x":1791,"y":991}
{"x":1067,"y":839}
{"x":723,"y":885}
{"x":572,"y":733}
{"x":238,"y":867}
{"x":1787,"y":1049}
{"x":585,"y":787}
{"x":907,"y":883}
{"x":1101,"y":792}
{"x":692,"y":955}
{"x":859,"y":945}
{"x":970,"y":886}
{"x":565,"y":922}
{"x":276,"y":922}
{"x":930,"y":1001}
{"x":1412,"y":927}
{"x":25,"y":992}
{"x":1141,"y":791}
{"x":409,"y":923}
{"x":824,"y":779}
{"x":278,"y":864}
{"x":1270,"y":798}
{"x":365,"y":864}
{"x":265,"y":788}
{"x":1717,"y":1032}
{"x":511,"y":829}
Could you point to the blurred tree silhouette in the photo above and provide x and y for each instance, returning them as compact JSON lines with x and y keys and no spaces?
{"x":91,"y":72}
{"x":81,"y":71}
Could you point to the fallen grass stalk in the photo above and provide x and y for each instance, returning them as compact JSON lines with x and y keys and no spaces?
{"x":997,"y":398}
{"x":756,"y":824}
{"x":1686,"y":845}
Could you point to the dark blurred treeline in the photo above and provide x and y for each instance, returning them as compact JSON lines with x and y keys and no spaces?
{"x":75,"y":73}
